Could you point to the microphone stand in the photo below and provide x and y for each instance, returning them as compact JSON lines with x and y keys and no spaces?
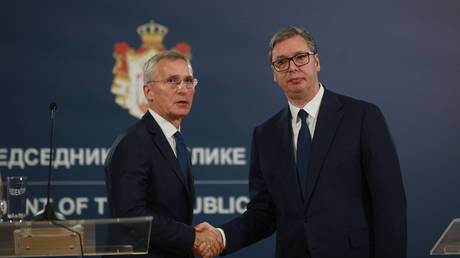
{"x":48,"y":212}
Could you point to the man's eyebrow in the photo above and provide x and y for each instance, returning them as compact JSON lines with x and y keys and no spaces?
{"x":296,"y":53}
{"x":280,"y":57}
{"x":174,"y":76}
{"x":177,"y":76}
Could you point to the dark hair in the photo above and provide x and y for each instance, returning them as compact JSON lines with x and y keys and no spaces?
{"x":288,"y":33}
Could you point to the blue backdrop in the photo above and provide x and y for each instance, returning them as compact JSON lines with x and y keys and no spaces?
{"x":401,"y":55}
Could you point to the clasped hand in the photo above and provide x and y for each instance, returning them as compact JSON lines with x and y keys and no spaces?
{"x":208,"y":241}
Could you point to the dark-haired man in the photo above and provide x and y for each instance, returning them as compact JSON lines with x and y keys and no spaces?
{"x":324,"y":173}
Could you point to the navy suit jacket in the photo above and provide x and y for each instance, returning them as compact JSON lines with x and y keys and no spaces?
{"x":356,"y":206}
{"x":144,"y":179}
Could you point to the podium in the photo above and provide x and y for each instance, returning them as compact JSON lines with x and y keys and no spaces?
{"x":114,"y":236}
{"x":449,"y":242}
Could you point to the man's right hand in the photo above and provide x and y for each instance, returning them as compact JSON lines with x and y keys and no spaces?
{"x":208,"y":241}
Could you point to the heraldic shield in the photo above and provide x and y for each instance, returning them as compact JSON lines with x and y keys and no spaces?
{"x":128,"y":79}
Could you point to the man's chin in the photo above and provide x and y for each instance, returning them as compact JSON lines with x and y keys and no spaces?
{"x":297,"y":95}
{"x":297,"y":92}
{"x":181,"y":113}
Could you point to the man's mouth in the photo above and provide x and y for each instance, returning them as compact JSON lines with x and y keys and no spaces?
{"x":295,"y":80}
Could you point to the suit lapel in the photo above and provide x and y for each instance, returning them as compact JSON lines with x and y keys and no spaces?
{"x":329,"y":117}
{"x":163,"y":146}
{"x":191,"y":182}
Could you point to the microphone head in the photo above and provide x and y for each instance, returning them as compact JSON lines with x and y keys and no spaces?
{"x":53,"y":106}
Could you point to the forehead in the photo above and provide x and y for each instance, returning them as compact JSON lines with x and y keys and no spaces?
{"x":289,"y":47}
{"x":170,"y":67}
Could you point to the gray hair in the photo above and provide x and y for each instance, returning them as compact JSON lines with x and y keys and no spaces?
{"x":287,"y":33}
{"x":150,"y":65}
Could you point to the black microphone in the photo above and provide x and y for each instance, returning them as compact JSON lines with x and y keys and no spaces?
{"x":48,"y":212}
{"x":53,"y":107}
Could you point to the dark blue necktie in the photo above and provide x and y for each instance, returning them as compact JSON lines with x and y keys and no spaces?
{"x":303,"y":152}
{"x":182,"y":154}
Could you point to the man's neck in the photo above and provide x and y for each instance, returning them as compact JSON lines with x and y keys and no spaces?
{"x":174,"y":122}
{"x":301,"y":102}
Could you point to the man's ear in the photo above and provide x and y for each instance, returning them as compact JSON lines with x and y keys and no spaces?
{"x":148,"y":93}
{"x":317,"y":63}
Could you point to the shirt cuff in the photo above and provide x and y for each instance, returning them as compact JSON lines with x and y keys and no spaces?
{"x":223,"y":236}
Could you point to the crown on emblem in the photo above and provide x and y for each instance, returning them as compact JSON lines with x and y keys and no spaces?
{"x":152,"y":32}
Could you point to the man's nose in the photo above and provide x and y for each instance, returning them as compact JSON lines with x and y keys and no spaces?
{"x":292,"y":66}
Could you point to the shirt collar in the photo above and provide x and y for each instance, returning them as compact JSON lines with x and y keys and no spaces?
{"x":168,"y":129}
{"x":312,"y":107}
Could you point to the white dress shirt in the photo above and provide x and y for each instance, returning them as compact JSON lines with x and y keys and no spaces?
{"x":167,"y":128}
{"x":312,"y":108}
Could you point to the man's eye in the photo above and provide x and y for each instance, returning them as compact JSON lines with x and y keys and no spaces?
{"x":188,"y":81}
{"x":171,"y":81}
{"x":301,"y":57}
{"x":280,"y":61}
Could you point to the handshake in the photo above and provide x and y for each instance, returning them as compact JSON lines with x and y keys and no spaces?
{"x":208,"y":241}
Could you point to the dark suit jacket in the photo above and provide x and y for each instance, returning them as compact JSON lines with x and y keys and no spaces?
{"x":356,"y":206}
{"x":144,"y":179}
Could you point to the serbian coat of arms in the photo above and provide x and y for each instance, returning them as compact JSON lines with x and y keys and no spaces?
{"x":127,"y":85}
